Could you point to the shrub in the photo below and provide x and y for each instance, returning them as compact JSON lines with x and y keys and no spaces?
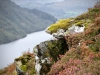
{"x":70,"y":64}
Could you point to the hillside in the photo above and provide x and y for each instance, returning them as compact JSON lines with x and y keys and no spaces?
{"x":41,"y":14}
{"x":58,"y":8}
{"x":75,"y":50}
{"x":16,"y":22}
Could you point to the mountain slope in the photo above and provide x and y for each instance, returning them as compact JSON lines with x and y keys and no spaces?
{"x":41,"y":14}
{"x":16,"y":22}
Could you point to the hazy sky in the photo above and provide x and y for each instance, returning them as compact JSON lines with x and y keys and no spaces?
{"x":36,"y":1}
{"x":40,"y":0}
{"x":19,"y":2}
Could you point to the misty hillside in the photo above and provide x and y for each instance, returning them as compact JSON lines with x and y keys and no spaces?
{"x":63,"y":9}
{"x":16,"y":22}
{"x":41,"y":14}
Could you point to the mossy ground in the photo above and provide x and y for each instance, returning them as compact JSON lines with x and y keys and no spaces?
{"x":61,"y":24}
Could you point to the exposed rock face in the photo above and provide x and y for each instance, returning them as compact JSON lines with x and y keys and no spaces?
{"x":75,"y":29}
{"x":39,"y":51}
{"x":59,"y":34}
{"x":37,"y":66}
{"x":46,"y":53}
{"x":47,"y":31}
{"x":19,"y":71}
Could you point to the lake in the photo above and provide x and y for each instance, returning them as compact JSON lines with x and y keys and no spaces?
{"x":12,"y":50}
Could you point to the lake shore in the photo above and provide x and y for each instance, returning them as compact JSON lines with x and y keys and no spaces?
{"x":12,"y":50}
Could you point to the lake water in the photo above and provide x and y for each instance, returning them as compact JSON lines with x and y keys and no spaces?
{"x":12,"y":50}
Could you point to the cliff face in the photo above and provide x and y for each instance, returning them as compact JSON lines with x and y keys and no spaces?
{"x":75,"y":50}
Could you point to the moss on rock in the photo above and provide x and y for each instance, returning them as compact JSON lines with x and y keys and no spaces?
{"x":67,"y":23}
{"x":24,"y":68}
{"x":61,"y":24}
{"x":26,"y":63}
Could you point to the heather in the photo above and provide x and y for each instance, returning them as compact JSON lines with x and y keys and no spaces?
{"x":83,"y":56}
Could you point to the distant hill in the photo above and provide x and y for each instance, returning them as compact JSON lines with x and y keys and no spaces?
{"x":63,"y":9}
{"x":41,"y":14}
{"x":16,"y":22}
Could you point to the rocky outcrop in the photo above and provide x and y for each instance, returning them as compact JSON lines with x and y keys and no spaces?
{"x":46,"y":53}
{"x":64,"y":27}
{"x":19,"y":71}
{"x":59,"y":34}
{"x":75,"y":29}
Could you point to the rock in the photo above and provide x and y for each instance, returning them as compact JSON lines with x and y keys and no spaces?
{"x":45,"y":54}
{"x":75,"y":29}
{"x":39,"y":51}
{"x":47,"y":31}
{"x":37,"y":67}
{"x":59,"y":34}
{"x":19,"y":71}
{"x":48,"y":60}
{"x":36,"y":58}
{"x":42,"y":61}
{"x":35,"y":51}
{"x":79,"y":29}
